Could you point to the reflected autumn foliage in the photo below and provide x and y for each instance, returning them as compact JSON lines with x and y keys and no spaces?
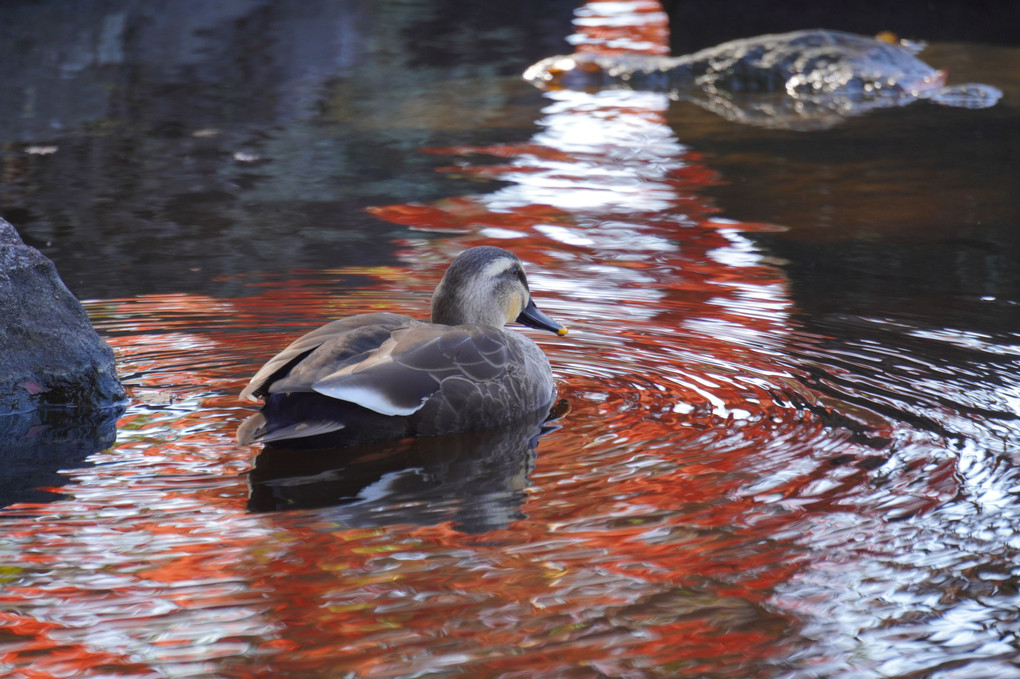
{"x":681,"y":412}
{"x":681,"y":330}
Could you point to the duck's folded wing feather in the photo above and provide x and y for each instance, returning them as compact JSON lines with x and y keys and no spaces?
{"x":346,"y":337}
{"x":399,"y":376}
{"x":477,"y":352}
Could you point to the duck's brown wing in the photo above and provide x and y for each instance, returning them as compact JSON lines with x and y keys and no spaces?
{"x":399,"y":376}
{"x":346,"y":338}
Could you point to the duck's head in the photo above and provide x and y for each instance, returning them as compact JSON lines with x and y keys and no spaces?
{"x":487,"y":285}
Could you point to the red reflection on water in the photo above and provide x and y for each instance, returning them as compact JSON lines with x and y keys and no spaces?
{"x":616,"y":600}
{"x":40,"y":656}
{"x":610,"y":27}
{"x":642,"y":547}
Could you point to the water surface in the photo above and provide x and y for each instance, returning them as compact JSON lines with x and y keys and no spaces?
{"x":791,"y":386}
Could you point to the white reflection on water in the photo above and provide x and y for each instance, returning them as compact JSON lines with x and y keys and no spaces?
{"x":606,"y":152}
{"x":916,"y":596}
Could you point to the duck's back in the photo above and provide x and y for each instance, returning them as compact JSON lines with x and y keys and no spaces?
{"x":343,"y":340}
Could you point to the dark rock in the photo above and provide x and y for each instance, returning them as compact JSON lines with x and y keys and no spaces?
{"x":50,"y":355}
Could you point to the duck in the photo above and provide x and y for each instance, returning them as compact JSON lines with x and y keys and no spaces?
{"x":385,"y":376}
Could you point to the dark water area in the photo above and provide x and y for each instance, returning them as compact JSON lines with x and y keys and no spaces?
{"x":243,"y":136}
{"x":694,"y":25}
{"x":788,"y":441}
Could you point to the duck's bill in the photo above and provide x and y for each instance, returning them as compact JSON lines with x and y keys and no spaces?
{"x":533,"y":317}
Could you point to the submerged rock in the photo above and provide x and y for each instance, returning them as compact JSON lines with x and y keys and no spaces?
{"x":801,"y":80}
{"x":50,"y":355}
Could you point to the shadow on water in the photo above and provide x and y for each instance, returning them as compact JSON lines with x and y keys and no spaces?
{"x":477,"y":481}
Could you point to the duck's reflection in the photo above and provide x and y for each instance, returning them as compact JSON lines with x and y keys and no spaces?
{"x":475,"y":480}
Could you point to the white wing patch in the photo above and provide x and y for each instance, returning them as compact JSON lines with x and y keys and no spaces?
{"x":367,"y":397}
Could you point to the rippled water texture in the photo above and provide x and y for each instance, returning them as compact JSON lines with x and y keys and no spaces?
{"x":768,"y":462}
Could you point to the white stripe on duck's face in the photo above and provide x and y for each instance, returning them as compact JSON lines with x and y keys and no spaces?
{"x":498,"y":267}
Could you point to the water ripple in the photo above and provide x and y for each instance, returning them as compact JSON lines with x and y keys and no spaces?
{"x":733,"y":481}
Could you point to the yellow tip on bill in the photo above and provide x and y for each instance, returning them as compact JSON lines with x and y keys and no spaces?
{"x":561,"y":332}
